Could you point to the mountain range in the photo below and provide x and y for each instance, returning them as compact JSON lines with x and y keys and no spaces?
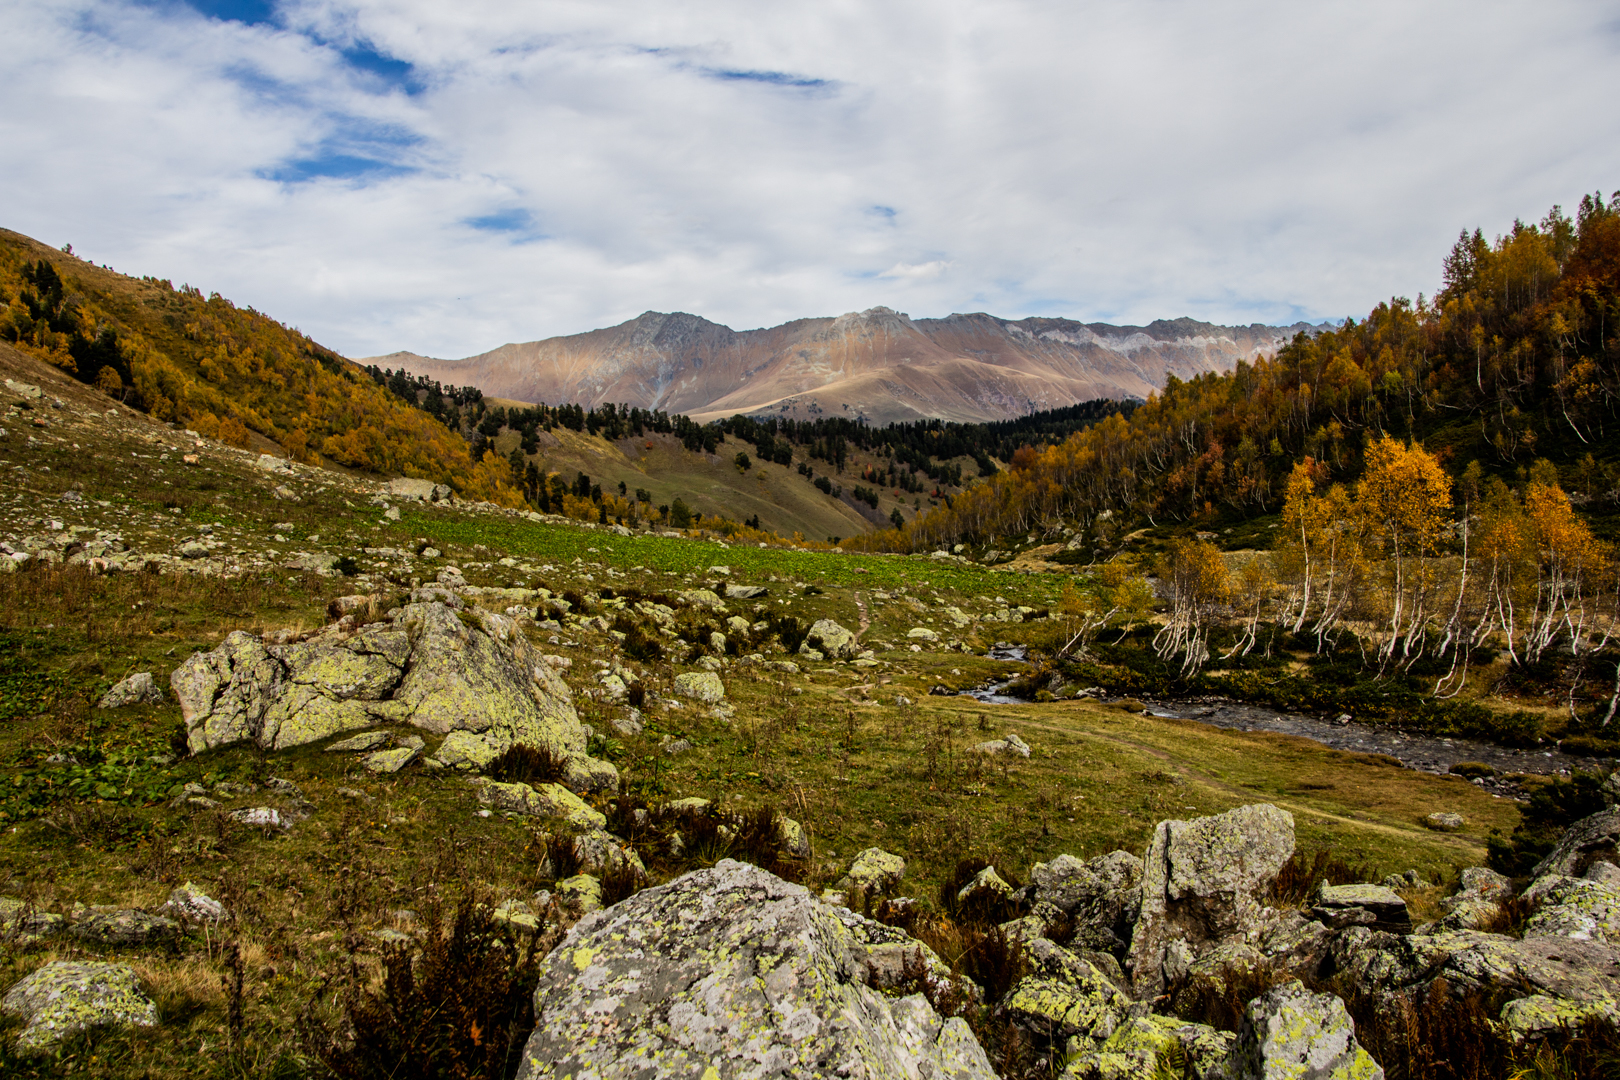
{"x":877,"y":365}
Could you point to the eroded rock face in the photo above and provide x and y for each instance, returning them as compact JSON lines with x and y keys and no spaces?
{"x":730,"y":971}
{"x":466,"y":674}
{"x":1203,"y":881}
{"x":63,"y":998}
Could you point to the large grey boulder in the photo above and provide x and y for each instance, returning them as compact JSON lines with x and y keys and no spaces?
{"x":1582,"y":909}
{"x":64,"y":998}
{"x":1289,"y":1033}
{"x":830,"y":639}
{"x":1102,"y":895}
{"x":468,"y":675}
{"x":1202,"y":881}
{"x":731,"y":971}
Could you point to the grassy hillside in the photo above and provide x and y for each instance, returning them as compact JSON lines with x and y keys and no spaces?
{"x":224,"y":371}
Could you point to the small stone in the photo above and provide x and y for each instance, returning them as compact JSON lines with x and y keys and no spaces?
{"x":193,"y":549}
{"x":369,"y":740}
{"x":390,"y":761}
{"x":985,"y":885}
{"x":1445,"y":821}
{"x":190,"y":904}
{"x":265,"y":817}
{"x":124,"y":926}
{"x":922,"y":633}
{"x":392,"y":513}
{"x":704,"y":686}
{"x":582,"y":893}
{"x":65,"y":997}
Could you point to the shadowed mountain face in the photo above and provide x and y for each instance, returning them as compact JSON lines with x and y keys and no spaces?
{"x":879,"y":365}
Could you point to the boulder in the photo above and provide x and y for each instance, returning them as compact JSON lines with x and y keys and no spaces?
{"x":1445,"y":821}
{"x":1012,"y":745}
{"x":599,"y":851}
{"x":922,"y":633}
{"x":1150,"y":1047}
{"x":20,"y":924}
{"x":1582,"y":909}
{"x":730,"y":971}
{"x":1203,"y":880}
{"x":582,"y":893}
{"x":830,"y":639}
{"x":138,"y":689}
{"x":874,"y":870}
{"x":791,"y":838}
{"x":64,"y":997}
{"x":704,"y":686}
{"x":408,"y":488}
{"x":390,"y":761}
{"x":124,"y":926}
{"x":1589,"y":840}
{"x":745,"y":592}
{"x":469,"y":675}
{"x":1103,"y":896}
{"x":1289,"y":1033}
{"x":1479,"y":901}
{"x":1361,"y":905}
{"x":986,"y":885}
{"x":357,"y":744}
{"x":1065,"y":996}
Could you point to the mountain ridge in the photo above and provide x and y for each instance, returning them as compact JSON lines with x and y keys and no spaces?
{"x":878,"y":365}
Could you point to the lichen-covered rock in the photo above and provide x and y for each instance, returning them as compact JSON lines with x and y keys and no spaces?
{"x":704,"y":686}
{"x":1578,"y":908}
{"x":599,"y":851}
{"x":725,"y":972}
{"x":542,"y":800}
{"x":791,"y":838}
{"x":1011,"y":745}
{"x":874,"y":870}
{"x":986,"y":884}
{"x":1065,"y":996}
{"x":582,"y":893}
{"x":830,"y":639}
{"x":1376,"y":906}
{"x":357,"y":744}
{"x":390,"y":761}
{"x":1479,"y":901}
{"x":1103,"y":895}
{"x":469,"y":675}
{"x":1589,"y":840}
{"x":138,"y":689}
{"x":1203,"y":880}
{"x":1538,"y":1015}
{"x":63,"y":998}
{"x":1151,"y":1047}
{"x":124,"y":926}
{"x":1289,"y":1033}
{"x":20,"y":924}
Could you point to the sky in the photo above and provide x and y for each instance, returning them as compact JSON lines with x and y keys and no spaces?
{"x":446,"y":177}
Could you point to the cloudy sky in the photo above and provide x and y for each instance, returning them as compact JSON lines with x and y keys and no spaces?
{"x":445,"y":177}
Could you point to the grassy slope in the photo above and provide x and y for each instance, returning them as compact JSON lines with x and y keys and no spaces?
{"x":833,"y":747}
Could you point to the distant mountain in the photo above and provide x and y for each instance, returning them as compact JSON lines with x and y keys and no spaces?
{"x":879,"y":365}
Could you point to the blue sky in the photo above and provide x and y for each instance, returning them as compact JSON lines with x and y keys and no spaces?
{"x":445,"y":178}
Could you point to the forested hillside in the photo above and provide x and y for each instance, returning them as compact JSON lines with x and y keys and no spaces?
{"x":1516,"y":360}
{"x":227,"y":372}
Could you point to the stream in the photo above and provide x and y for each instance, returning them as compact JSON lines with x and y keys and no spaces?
{"x":1421,"y":752}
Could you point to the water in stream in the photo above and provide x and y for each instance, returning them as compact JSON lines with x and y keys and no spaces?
{"x":1422,"y":752}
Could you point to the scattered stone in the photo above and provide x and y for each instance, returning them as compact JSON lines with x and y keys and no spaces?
{"x":64,"y":998}
{"x":390,"y":761}
{"x":1010,"y":745}
{"x":583,"y":894}
{"x":875,"y":871}
{"x":265,"y":817}
{"x":922,"y":633}
{"x":986,"y":884}
{"x":732,"y":971}
{"x":704,"y":686}
{"x":193,"y":549}
{"x":1361,"y":905}
{"x":745,"y":592}
{"x":21,"y":925}
{"x":516,"y":913}
{"x":1445,"y":821}
{"x":830,"y":639}
{"x":369,"y":740}
{"x":1290,"y":1032}
{"x":138,"y":689}
{"x":543,"y":800}
{"x":189,"y":904}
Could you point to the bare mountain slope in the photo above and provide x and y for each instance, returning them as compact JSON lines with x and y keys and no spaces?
{"x":878,"y":364}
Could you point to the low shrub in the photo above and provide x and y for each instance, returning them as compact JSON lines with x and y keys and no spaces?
{"x":1554,"y":805}
{"x":1472,"y":770}
{"x":1302,"y":873}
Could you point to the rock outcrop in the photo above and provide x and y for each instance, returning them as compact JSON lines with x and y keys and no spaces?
{"x":462,"y":673}
{"x":731,"y":971}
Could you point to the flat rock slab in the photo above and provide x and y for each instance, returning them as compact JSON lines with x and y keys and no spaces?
{"x":731,"y":971}
{"x":1376,"y":906}
{"x":63,"y":998}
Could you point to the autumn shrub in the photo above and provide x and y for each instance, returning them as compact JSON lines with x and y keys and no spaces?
{"x":1302,"y":873}
{"x":524,"y":764}
{"x":456,"y":1004}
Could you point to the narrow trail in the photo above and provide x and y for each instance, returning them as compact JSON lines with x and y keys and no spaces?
{"x":860,"y":606}
{"x":1204,"y":779}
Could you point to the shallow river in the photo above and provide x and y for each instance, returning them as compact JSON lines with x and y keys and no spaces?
{"x":1422,"y":752}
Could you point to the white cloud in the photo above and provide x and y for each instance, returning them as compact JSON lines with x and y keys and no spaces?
{"x":444,"y":178}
